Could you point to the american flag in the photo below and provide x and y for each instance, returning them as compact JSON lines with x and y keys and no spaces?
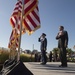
{"x":29,"y":5}
{"x":31,"y":20}
{"x":14,"y":39}
{"x":15,"y":18}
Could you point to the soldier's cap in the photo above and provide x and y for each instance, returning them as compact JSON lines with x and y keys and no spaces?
{"x":44,"y":34}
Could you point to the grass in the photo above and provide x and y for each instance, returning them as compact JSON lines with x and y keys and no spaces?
{"x":4,"y":55}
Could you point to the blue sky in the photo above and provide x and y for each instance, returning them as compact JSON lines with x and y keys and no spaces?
{"x":53,"y":13}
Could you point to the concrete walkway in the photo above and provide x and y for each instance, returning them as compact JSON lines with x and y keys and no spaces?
{"x":51,"y":68}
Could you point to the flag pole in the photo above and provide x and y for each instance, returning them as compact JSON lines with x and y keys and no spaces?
{"x":18,"y":56}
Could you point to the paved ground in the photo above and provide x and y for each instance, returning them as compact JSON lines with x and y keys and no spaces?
{"x":51,"y":68}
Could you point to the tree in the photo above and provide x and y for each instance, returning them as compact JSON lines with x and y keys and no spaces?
{"x":55,"y":50}
{"x":55,"y":54}
{"x":69,"y":51}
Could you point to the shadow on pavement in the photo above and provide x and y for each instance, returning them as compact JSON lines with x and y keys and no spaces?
{"x":55,"y":67}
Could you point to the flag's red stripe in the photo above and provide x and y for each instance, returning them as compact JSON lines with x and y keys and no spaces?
{"x":12,"y":23}
{"x":36,"y":16}
{"x":26,"y":25}
{"x":30,"y":19}
{"x":26,"y":1}
{"x":30,"y":7}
